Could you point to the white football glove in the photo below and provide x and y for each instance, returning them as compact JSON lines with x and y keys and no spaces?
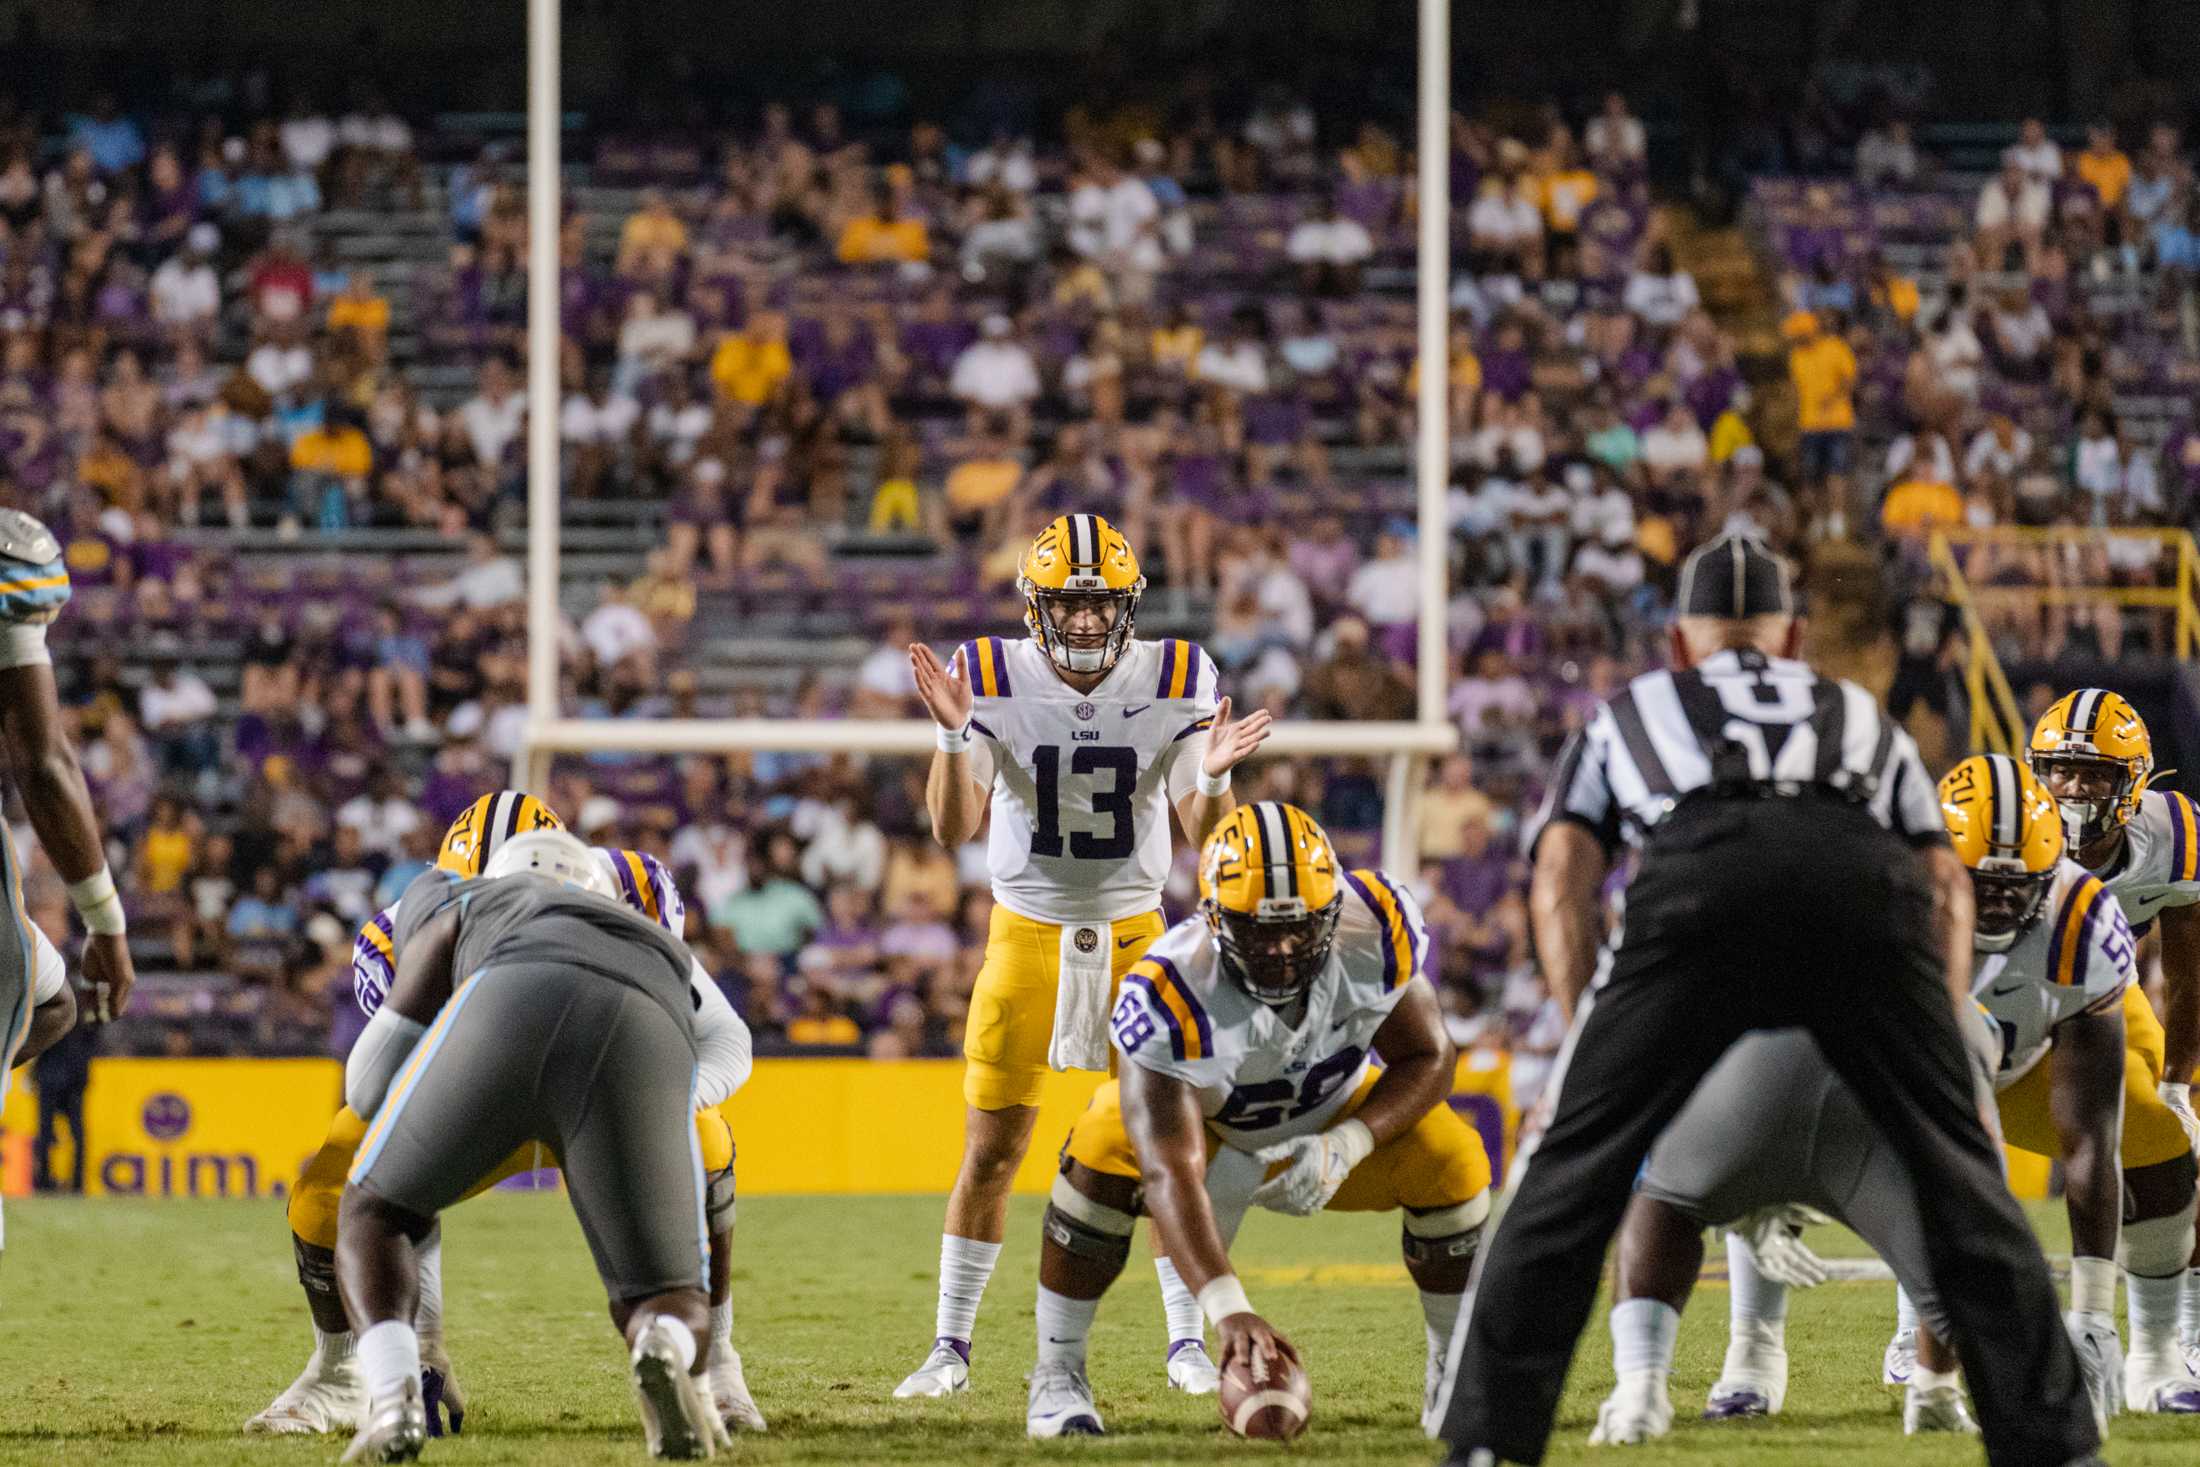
{"x":2179,"y":1099}
{"x":1318,"y":1166}
{"x":2100,"y":1361}
{"x":1774,"y":1234}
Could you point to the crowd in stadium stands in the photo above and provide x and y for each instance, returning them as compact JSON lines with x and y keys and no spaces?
{"x":856,"y":375}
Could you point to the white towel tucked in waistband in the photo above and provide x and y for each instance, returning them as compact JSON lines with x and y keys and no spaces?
{"x":1080,"y":1039}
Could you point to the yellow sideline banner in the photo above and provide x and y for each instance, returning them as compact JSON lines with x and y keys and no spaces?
{"x":243,"y":1128}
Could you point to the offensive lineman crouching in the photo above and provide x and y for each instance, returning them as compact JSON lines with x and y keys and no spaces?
{"x":1246,"y":1036}
{"x":328,"y":1394}
{"x":531,"y":1005}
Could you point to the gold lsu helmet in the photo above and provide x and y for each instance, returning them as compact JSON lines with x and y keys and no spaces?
{"x":2008,"y":832}
{"x":1080,"y":560}
{"x":2092,"y":751}
{"x":1270,"y":891}
{"x":485,"y":825}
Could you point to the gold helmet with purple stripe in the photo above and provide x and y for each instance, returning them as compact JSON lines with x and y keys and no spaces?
{"x":1270,"y":892}
{"x":2092,"y":751}
{"x":1081,"y":562}
{"x":2008,"y":834}
{"x":483,"y":827}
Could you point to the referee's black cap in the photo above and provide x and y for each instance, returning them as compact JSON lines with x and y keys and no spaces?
{"x":1734,"y":578}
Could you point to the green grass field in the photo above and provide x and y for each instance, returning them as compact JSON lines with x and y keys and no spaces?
{"x":144,"y":1333}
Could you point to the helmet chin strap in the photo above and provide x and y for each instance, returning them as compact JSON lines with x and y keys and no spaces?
{"x":1994,"y":942}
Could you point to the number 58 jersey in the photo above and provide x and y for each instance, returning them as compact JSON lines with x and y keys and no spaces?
{"x":1261,"y":1079}
{"x":1082,"y":783}
{"x":2075,"y":958}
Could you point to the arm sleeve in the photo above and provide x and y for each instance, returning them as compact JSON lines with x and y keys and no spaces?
{"x":723,"y":1051}
{"x":49,"y":975}
{"x":382,"y":1049}
{"x":1159,"y":1026}
{"x":1381,"y":938}
{"x":371,"y":968}
{"x":2110,"y":955}
{"x":1580,"y":789}
{"x":1187,"y":749}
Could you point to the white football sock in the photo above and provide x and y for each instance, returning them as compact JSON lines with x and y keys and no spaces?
{"x":389,"y":1355}
{"x":683,"y":1340}
{"x":965,"y":1266}
{"x":2188,"y":1308}
{"x":2154,"y":1305}
{"x":428,"y":1313}
{"x":1063,"y":1325}
{"x":1180,"y":1305}
{"x":333,"y":1349}
{"x":1754,"y":1298}
{"x":1905,"y":1312}
{"x":1643,"y":1335}
{"x":1440,"y":1312}
{"x":721,"y":1330}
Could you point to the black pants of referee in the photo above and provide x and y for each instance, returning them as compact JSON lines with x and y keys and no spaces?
{"x":1749,"y":914}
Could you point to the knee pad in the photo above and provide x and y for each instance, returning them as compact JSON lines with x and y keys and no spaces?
{"x":1087,"y":1228}
{"x":1448,"y":1232}
{"x":2157,"y":1247}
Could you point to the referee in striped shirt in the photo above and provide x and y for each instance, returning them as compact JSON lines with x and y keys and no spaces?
{"x":1794,"y":873}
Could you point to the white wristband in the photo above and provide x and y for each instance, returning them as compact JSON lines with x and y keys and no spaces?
{"x":1214,"y":785}
{"x":2175,"y":1095}
{"x":98,"y":903}
{"x":2093,"y":1286}
{"x":954,"y":740}
{"x":1223,"y":1297}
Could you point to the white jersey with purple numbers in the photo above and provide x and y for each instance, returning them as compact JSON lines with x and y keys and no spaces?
{"x":1261,"y":1079}
{"x":2076,"y":958}
{"x":2159,"y":865}
{"x":1082,"y":783}
{"x":642,"y":881}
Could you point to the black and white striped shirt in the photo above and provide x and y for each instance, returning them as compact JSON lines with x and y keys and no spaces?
{"x":1735,"y":720}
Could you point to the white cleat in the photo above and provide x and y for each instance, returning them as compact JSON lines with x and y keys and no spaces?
{"x":1936,"y":1408}
{"x":2160,"y":1385}
{"x":1192,"y":1370}
{"x":1637,"y":1411}
{"x":1754,"y":1379}
{"x":395,"y":1431}
{"x":326,"y":1397}
{"x":1899,"y":1362}
{"x":677,"y":1422}
{"x":729,"y":1392}
{"x":945,"y":1372}
{"x":1061,"y":1404}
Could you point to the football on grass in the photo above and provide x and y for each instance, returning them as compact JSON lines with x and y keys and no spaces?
{"x":1272,"y":1408}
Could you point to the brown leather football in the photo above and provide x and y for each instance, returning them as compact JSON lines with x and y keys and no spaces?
{"x":1271,"y":1409}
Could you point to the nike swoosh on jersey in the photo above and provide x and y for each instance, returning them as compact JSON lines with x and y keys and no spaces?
{"x":2000,"y":992}
{"x":1134,"y":712}
{"x":1125,"y":941}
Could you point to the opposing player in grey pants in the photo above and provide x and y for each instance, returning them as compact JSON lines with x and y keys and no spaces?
{"x":531,"y":1005}
{"x":1770,"y":1129}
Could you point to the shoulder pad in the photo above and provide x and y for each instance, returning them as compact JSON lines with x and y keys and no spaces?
{"x":26,"y":539}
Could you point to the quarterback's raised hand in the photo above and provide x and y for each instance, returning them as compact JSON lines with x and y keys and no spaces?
{"x":1231,"y":742}
{"x":945,"y":689}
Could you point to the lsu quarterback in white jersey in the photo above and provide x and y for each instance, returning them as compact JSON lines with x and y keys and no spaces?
{"x":329,"y":1394}
{"x":1250,"y":1034}
{"x":1082,"y":740}
{"x":2092,"y":751}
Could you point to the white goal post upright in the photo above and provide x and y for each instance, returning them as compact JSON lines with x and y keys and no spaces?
{"x":1405,"y":746}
